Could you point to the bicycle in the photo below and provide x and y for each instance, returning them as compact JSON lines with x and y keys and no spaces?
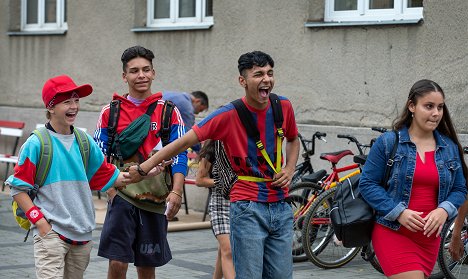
{"x":321,"y":245}
{"x":450,"y":267}
{"x":311,"y":199}
{"x":304,"y":172}
{"x":308,"y":147}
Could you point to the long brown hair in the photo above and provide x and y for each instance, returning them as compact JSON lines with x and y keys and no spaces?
{"x":207,"y":149}
{"x":445,"y":127}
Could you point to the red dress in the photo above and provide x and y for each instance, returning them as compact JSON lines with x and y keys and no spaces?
{"x":402,"y":250}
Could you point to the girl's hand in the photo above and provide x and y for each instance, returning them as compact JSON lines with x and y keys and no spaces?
{"x":434,"y":221}
{"x":411,"y":220}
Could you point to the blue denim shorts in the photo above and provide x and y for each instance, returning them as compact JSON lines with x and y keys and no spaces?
{"x":132,"y":235}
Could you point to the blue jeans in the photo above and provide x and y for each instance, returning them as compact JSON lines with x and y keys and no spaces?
{"x":261,"y":239}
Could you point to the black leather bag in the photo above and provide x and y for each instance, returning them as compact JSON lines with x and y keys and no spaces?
{"x":351,"y":217}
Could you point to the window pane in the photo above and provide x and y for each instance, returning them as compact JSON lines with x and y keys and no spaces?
{"x":64,"y":10}
{"x":162,"y":8}
{"x":31,"y":10}
{"x":345,"y":5}
{"x":187,"y":8}
{"x":50,"y":11}
{"x":415,"y":3}
{"x":209,"y":8}
{"x":381,"y":4}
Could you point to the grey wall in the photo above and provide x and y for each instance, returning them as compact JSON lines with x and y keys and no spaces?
{"x":337,"y":78}
{"x":345,"y":76}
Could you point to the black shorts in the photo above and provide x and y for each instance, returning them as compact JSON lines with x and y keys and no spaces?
{"x":132,"y":235}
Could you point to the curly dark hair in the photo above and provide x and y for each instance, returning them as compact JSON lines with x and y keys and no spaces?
{"x":134,"y":52}
{"x":254,"y":58}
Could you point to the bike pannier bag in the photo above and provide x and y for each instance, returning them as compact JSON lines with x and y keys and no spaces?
{"x":352,"y":218}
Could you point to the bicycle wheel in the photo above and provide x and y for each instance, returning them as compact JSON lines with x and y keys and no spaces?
{"x":451,"y":268}
{"x":320,"y":243}
{"x":298,"y":195}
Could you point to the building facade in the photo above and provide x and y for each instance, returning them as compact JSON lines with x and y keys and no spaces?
{"x":344,"y":64}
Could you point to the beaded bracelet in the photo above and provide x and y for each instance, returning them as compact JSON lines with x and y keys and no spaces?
{"x":141,"y":171}
{"x":34,"y":214}
{"x":174,"y":192}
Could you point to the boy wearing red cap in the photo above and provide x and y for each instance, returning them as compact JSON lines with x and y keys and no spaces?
{"x":62,"y":215}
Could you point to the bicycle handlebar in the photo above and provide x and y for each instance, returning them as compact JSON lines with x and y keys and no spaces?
{"x":379,"y":129}
{"x":353,"y":139}
{"x":309,"y":152}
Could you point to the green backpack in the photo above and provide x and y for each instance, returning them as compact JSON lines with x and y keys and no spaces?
{"x":43,"y":167}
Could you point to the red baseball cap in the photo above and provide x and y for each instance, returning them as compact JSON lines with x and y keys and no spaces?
{"x":61,"y":88}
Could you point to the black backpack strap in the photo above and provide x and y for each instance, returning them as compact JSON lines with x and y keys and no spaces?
{"x":166,"y":117}
{"x":390,"y":161}
{"x":151,"y":108}
{"x":277,"y":113}
{"x":114,"y":112}
{"x":246,"y":119}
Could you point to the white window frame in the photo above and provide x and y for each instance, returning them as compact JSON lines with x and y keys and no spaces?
{"x":175,"y":22}
{"x":363,"y":13}
{"x":59,"y":25}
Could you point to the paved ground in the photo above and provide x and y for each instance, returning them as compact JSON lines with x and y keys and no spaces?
{"x":194,"y":253}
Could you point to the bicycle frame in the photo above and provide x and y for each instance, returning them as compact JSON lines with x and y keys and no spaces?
{"x":331,"y":181}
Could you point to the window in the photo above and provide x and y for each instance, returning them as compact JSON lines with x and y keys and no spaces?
{"x":180,"y":14}
{"x":373,"y":10}
{"x":43,"y":15}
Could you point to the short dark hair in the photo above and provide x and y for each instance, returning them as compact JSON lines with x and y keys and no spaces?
{"x":134,"y":52}
{"x":254,"y":58}
{"x":202,"y":97}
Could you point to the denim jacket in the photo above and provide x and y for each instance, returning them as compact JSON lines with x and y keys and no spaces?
{"x":390,"y":203}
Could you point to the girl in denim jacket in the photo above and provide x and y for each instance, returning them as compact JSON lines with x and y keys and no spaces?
{"x":426,"y":187}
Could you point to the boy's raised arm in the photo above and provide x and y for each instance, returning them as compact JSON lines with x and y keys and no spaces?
{"x":137,"y":172}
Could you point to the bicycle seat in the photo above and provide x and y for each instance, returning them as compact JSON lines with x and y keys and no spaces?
{"x":335,"y":157}
{"x":315,"y":176}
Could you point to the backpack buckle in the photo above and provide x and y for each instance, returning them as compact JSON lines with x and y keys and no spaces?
{"x":259,"y":145}
{"x":280,"y":132}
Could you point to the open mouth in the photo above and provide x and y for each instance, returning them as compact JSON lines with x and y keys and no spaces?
{"x":71,"y":114}
{"x":263,"y":92}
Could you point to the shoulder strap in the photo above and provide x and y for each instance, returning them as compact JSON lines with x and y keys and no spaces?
{"x":83,"y":143}
{"x":45,"y":158}
{"x":252,"y":131}
{"x":151,"y":108}
{"x":277,"y":110}
{"x":390,"y":161}
{"x":114,"y":112}
{"x":246,"y":119}
{"x":166,"y":117}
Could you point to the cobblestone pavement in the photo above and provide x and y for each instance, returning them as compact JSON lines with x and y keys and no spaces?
{"x":194,"y":254}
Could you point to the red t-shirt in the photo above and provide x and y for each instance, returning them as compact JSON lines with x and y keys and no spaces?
{"x":224,"y":124}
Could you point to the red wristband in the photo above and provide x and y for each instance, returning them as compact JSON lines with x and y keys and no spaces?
{"x":34,"y":214}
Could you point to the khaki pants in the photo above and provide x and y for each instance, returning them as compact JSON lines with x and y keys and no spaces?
{"x":54,"y":258}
